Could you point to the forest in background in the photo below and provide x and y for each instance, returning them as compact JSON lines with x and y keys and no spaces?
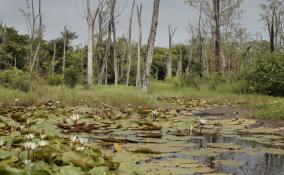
{"x":219,"y":50}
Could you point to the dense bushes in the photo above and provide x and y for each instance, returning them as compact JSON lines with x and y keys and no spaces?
{"x":71,"y":77}
{"x":15,"y":79}
{"x":55,"y":80}
{"x":266,"y":75}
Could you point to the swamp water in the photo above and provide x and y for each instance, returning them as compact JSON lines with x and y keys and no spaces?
{"x":129,"y":142}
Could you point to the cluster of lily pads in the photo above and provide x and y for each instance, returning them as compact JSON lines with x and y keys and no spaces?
{"x":31,"y":144}
{"x":53,"y":139}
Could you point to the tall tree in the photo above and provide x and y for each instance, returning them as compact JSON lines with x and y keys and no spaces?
{"x":170,"y":59}
{"x":219,"y":14}
{"x":151,"y":45}
{"x":139,"y":44}
{"x":67,"y":36}
{"x":129,"y":54}
{"x":35,"y":27}
{"x":179,"y":65}
{"x":91,"y":17}
{"x":115,"y":61}
{"x":53,"y":58}
{"x":272,"y":14}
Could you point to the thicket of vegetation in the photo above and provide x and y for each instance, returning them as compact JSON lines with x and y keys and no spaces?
{"x":219,"y":51}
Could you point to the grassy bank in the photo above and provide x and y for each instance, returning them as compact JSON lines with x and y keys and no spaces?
{"x":260,"y":106}
{"x":120,"y":96}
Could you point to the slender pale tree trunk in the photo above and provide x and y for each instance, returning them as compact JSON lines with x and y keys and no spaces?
{"x":53,"y":59}
{"x":138,"y":74}
{"x":151,"y":45}
{"x":170,"y":59}
{"x":205,"y":69}
{"x":33,"y":26}
{"x":179,"y":67}
{"x":35,"y":56}
{"x":189,"y":60}
{"x":216,"y":6}
{"x":91,"y":17}
{"x":107,"y":54}
{"x":64,"y":54}
{"x":114,"y":42}
{"x":129,"y":56}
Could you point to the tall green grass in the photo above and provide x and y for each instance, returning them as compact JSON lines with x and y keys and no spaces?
{"x":121,"y":96}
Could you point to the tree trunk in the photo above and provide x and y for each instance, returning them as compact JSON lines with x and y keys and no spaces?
{"x":90,"y":20}
{"x":107,"y":53}
{"x":189,"y":60}
{"x":64,"y":55}
{"x":205,"y":69}
{"x":129,"y":45}
{"x":218,"y":59}
{"x":53,"y":59}
{"x":114,"y":42}
{"x":272,"y":36}
{"x":138,"y":75}
{"x":151,"y":45}
{"x":170,"y":59}
{"x":179,"y":67}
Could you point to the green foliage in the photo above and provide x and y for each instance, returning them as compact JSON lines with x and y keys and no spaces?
{"x":55,"y":80}
{"x":15,"y":79}
{"x":187,"y":80}
{"x":214,"y":81}
{"x":71,"y":76}
{"x":266,"y":75}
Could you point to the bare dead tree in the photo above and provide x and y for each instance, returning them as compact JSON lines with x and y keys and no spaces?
{"x":91,"y":17}
{"x":64,"y":50}
{"x":221,"y":12}
{"x":189,"y":59}
{"x":129,"y":54}
{"x":107,"y":54}
{"x":53,"y":58}
{"x":139,"y":44}
{"x":151,"y":44}
{"x":179,"y":66}
{"x":170,"y":59}
{"x":35,"y":28}
{"x":115,"y":62}
{"x":272,"y":14}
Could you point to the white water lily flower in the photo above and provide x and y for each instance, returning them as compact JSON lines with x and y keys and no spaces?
{"x":49,"y":104}
{"x":30,"y":136}
{"x":155,"y":112}
{"x":57,"y":102}
{"x":2,"y":143}
{"x":83,"y":141}
{"x":43,"y":136}
{"x":42,"y":143}
{"x":75,"y":117}
{"x":27,"y":161}
{"x":202,"y":121}
{"x":16,"y":99}
{"x":74,"y":139}
{"x":80,"y":148}
{"x":33,"y":146}
{"x":27,"y":145}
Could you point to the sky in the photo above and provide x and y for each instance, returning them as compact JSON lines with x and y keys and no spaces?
{"x":70,"y":13}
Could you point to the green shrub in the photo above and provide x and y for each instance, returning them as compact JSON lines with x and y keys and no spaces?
{"x":55,"y":80}
{"x":187,"y":80}
{"x":15,"y":79}
{"x":266,"y":75}
{"x":71,"y":77}
{"x":214,"y":81}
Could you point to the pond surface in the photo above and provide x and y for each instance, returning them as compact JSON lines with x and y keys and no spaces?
{"x":136,"y":142}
